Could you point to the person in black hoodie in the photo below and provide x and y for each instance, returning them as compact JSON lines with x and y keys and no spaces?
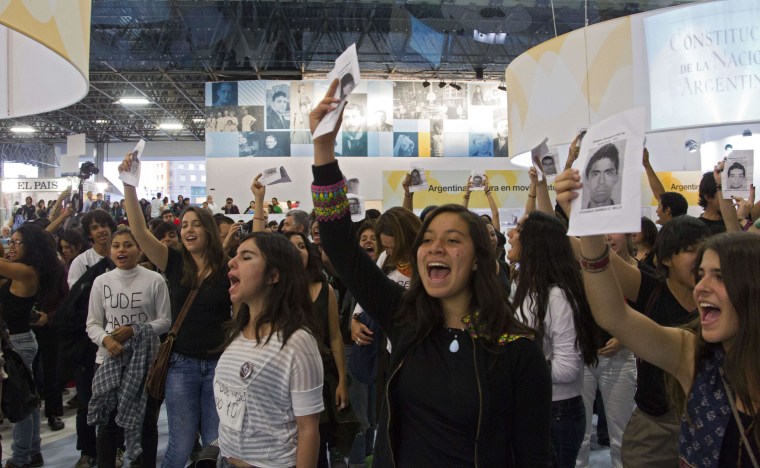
{"x":468,"y":385}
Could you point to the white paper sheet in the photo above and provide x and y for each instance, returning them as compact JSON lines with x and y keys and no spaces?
{"x":356,"y":207}
{"x":347,"y":72}
{"x":419,"y":179}
{"x":610,"y":165}
{"x":274,"y":175}
{"x":132,"y":177}
{"x":737,"y":173}
{"x":537,"y":154}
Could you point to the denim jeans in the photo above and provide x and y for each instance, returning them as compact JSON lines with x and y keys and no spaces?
{"x":189,"y":406}
{"x":26,"y":433}
{"x":568,"y":427}
{"x":358,"y":395}
{"x":615,"y":377}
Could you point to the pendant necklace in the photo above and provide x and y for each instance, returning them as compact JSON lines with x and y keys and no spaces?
{"x":454,"y":345}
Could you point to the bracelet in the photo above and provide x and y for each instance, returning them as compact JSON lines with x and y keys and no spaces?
{"x":531,"y":196}
{"x":719,"y":187}
{"x":596,"y":265}
{"x":259,"y":217}
{"x":487,"y":192}
{"x":466,"y":197}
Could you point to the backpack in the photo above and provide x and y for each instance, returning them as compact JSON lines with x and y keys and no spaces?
{"x":71,"y":316}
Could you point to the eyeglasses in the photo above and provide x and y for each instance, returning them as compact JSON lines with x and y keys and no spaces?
{"x":17,"y":242}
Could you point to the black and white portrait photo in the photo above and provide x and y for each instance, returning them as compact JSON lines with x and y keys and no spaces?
{"x":601,"y":176}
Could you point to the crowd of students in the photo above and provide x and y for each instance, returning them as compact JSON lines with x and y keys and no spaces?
{"x":421,"y":341}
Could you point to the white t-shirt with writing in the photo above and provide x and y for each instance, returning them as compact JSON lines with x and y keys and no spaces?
{"x":122,"y":297}
{"x":259,"y":389}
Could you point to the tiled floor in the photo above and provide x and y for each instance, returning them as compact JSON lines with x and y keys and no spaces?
{"x":59,"y":448}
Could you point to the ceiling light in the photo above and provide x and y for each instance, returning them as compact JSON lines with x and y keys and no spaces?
{"x":442,"y":84}
{"x":101,"y":121}
{"x":728,"y":147}
{"x":133,"y":101}
{"x":23,"y":130}
{"x":171,"y":126}
{"x":747,"y":133}
{"x":425,"y":83}
{"x":691,"y":146}
{"x":199,"y":120}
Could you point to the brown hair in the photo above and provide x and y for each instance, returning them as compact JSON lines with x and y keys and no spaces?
{"x":403,"y":226}
{"x":213,"y":255}
{"x":739,"y":254}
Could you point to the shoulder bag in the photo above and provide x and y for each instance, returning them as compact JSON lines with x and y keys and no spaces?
{"x":19,"y":394}
{"x":156,"y":382}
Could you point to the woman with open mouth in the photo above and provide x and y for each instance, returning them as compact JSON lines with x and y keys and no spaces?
{"x":468,"y":384}
{"x":199,"y":264}
{"x":268,"y":383}
{"x":716,"y":366}
{"x":31,"y":275}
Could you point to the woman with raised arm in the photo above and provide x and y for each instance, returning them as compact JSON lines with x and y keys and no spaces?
{"x":549,"y":297}
{"x":199,"y":264}
{"x":717,"y":366}
{"x":468,"y":384}
{"x":31,"y":274}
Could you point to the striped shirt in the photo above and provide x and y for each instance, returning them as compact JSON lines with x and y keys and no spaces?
{"x":259,"y":391}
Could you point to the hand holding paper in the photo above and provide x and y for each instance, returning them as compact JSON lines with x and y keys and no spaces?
{"x":258,"y":189}
{"x":129,"y":169}
{"x":346,"y":72}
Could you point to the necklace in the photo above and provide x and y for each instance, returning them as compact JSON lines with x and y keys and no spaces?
{"x":454,"y":345}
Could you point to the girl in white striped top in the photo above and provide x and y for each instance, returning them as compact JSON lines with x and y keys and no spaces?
{"x":268,"y":383}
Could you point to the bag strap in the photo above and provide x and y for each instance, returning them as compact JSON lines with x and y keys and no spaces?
{"x":738,"y":420}
{"x":182,"y":313}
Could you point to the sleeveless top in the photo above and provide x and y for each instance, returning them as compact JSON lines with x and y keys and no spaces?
{"x":320,"y":306}
{"x":16,"y":311}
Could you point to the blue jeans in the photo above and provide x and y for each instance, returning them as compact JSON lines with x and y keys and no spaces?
{"x":568,"y":428}
{"x":26,"y":433}
{"x":189,"y":406}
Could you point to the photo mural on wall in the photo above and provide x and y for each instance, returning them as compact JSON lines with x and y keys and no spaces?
{"x":382,"y":119}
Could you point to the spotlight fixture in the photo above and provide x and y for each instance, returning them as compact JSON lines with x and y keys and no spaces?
{"x":199,"y":120}
{"x":455,"y":86}
{"x":133,"y":101}
{"x":691,"y":146}
{"x":170,"y":126}
{"x":502,"y":86}
{"x":728,"y":147}
{"x":442,"y":84}
{"x":425,"y":83}
{"x":747,"y":133}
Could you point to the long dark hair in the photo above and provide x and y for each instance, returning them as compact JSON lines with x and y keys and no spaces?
{"x":75,"y":239}
{"x":546,"y":260}
{"x":287,"y":302}
{"x":403,"y":226}
{"x":216,"y":260}
{"x":314,"y":263}
{"x":40,"y":254}
{"x":739,"y":255}
{"x":495,"y":314}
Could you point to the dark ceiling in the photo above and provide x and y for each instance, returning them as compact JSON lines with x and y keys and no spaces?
{"x":165,"y":50}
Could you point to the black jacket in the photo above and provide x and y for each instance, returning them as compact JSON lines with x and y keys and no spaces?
{"x":514,"y":385}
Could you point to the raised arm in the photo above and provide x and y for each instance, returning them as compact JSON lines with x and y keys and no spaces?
{"x":259,"y":191}
{"x":530,"y":205}
{"x":59,"y":220}
{"x":654,"y":182}
{"x":543,"y":201}
{"x":156,"y":252}
{"x":467,"y":192}
{"x":671,"y":349}
{"x":727,"y":210}
{"x":495,"y":219}
{"x":408,"y":196}
{"x":56,"y":210}
{"x":369,"y":285}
